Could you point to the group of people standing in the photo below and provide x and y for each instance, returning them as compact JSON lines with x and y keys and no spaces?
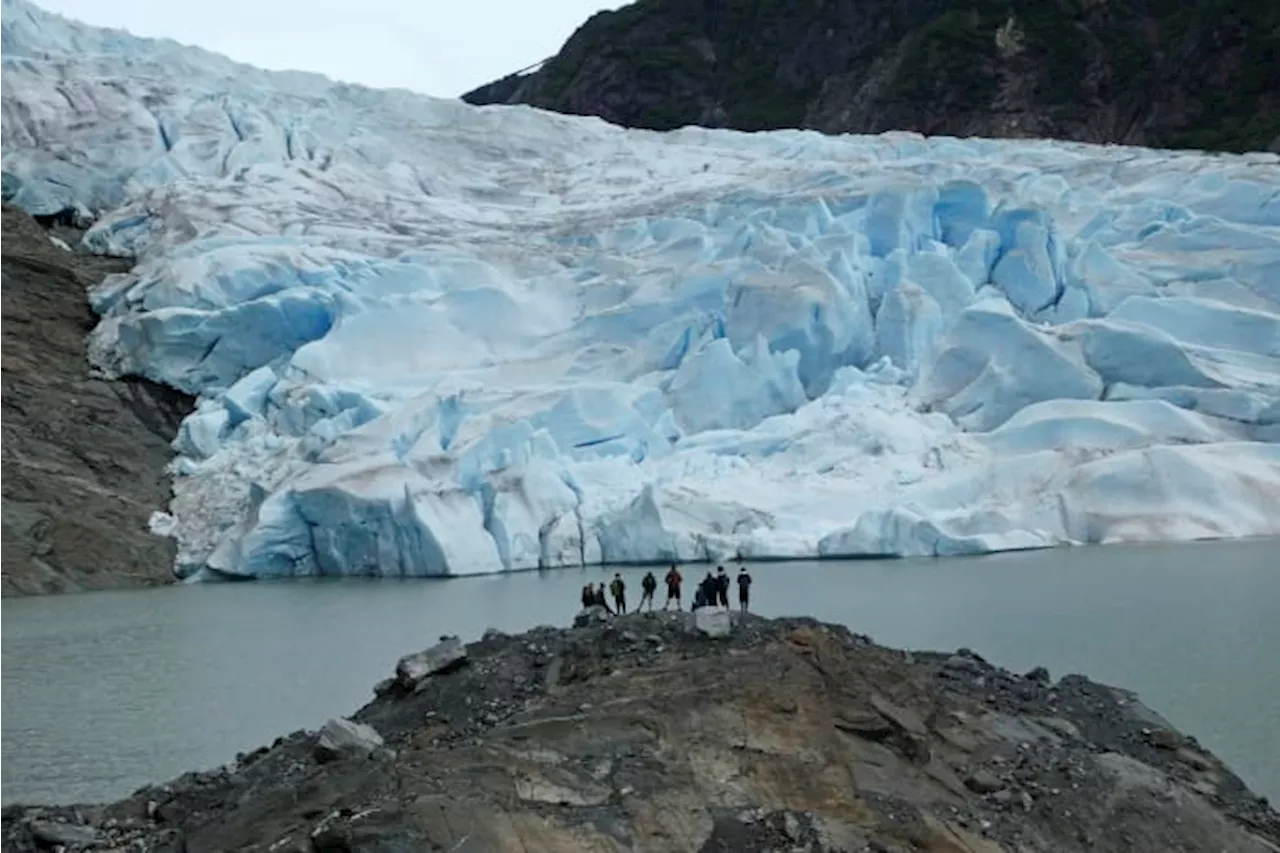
{"x":712,"y":591}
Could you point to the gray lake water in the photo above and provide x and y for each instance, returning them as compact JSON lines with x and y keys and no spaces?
{"x":105,"y":692}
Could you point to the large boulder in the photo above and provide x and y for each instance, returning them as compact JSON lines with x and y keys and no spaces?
{"x":713,"y":623}
{"x":445,"y":656}
{"x":342,"y":738}
{"x":66,"y":835}
{"x":588,"y":616}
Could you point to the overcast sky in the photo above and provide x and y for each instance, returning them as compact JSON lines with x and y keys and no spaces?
{"x":439,"y":47}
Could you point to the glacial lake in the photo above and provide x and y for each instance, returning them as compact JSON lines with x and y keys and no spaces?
{"x":105,"y":692}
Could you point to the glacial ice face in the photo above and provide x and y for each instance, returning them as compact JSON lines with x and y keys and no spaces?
{"x":435,"y":339}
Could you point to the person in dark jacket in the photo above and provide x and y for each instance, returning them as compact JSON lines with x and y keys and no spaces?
{"x":588,"y":596}
{"x":601,"y":601}
{"x":744,"y":589}
{"x":707,"y":591}
{"x":619,"y":589}
{"x":648,"y":587}
{"x":722,"y":587}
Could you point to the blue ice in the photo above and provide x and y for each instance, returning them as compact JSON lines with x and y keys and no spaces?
{"x":431,"y":339}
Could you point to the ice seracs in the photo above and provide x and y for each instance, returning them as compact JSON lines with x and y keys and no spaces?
{"x":435,"y":339}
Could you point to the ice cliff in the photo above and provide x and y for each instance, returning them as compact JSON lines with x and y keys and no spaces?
{"x":429,"y":338}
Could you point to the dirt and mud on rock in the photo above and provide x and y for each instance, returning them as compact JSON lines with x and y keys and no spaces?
{"x":84,"y":459}
{"x":643,"y":733}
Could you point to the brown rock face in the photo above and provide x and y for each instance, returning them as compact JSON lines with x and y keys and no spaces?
{"x":644,"y":734}
{"x":84,"y":459}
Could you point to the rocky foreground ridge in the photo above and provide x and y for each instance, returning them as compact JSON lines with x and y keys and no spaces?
{"x":659,"y":732}
{"x":84,"y":458}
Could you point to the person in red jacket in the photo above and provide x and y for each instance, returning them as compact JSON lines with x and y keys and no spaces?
{"x":673,"y":587}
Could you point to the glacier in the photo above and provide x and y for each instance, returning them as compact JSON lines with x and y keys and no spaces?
{"x":433,"y":339}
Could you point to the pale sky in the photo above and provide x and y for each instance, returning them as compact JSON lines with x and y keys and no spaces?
{"x":438,"y":47}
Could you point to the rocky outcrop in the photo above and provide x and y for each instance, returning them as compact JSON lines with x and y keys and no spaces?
{"x":446,"y":655}
{"x":644,"y":733}
{"x":84,"y":459}
{"x":1193,"y":74}
{"x":342,"y":738}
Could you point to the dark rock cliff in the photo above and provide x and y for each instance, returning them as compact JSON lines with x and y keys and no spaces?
{"x":1194,"y":74}
{"x":84,"y":458}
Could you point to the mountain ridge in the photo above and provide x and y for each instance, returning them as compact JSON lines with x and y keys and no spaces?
{"x":1130,"y":72}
